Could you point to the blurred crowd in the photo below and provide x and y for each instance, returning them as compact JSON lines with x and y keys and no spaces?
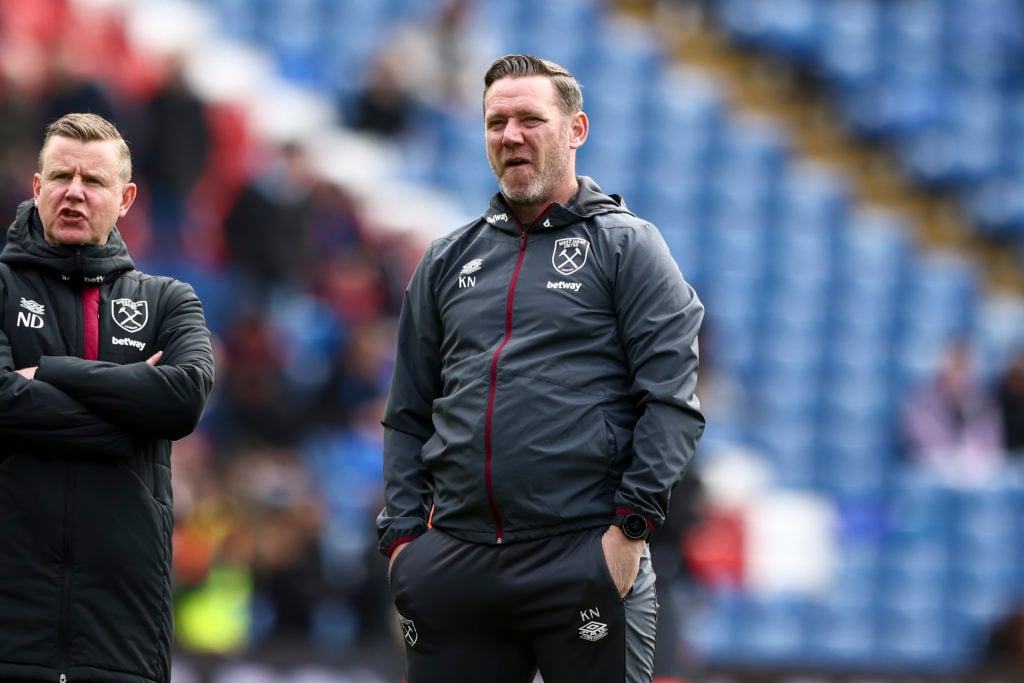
{"x":276,"y":493}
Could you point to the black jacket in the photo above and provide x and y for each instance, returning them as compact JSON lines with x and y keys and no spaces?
{"x":85,"y":479}
{"x":544,"y":379}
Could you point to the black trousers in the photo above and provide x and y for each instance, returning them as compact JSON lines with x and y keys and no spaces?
{"x":472,"y":612}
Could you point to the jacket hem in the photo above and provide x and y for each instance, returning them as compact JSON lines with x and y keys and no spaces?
{"x":517,"y":535}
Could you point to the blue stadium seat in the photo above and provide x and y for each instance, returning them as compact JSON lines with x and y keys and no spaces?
{"x":917,"y":640}
{"x":998,"y":333}
{"x":985,"y":41}
{"x":937,"y":307}
{"x":788,"y":27}
{"x":965,"y":146}
{"x":684,"y":122}
{"x":849,"y":51}
{"x":711,"y":629}
{"x":840,"y":635}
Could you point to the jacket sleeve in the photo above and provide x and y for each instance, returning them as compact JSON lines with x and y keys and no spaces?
{"x":659,"y":316}
{"x":162,"y":402}
{"x":415,"y":384}
{"x":42,"y":420}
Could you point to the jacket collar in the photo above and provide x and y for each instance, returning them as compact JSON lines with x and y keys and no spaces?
{"x":588,"y":201}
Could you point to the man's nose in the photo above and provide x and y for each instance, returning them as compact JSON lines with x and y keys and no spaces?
{"x":76,"y":188}
{"x":513,"y":134}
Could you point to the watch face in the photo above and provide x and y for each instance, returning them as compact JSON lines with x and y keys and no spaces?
{"x":634,"y":526}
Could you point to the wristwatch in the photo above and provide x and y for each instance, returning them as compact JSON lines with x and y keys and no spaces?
{"x":634,"y":526}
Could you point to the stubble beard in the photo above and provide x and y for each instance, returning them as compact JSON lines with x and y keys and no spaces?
{"x":541,"y":188}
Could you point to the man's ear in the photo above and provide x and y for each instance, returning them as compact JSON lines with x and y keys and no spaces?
{"x":580,"y":129}
{"x":127,"y":198}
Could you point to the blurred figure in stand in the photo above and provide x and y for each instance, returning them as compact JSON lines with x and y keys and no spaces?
{"x":174,"y":142}
{"x":267,"y":229}
{"x":951,"y":423}
{"x":1010,"y":394}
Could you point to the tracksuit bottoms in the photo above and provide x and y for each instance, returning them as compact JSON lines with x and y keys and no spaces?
{"x":471,"y":613}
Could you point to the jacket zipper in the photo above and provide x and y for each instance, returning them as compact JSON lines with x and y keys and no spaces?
{"x":65,"y":593}
{"x":499,"y":531}
{"x":90,"y":336}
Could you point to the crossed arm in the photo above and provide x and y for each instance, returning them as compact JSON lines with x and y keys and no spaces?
{"x":73,"y":407}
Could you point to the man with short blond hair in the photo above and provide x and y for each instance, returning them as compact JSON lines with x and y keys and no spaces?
{"x":101,"y":367}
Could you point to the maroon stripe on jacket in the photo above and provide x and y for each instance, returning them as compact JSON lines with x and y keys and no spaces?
{"x":499,"y":529}
{"x":91,"y":317}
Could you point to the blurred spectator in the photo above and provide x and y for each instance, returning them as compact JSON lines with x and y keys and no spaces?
{"x":173,"y":143}
{"x":384,"y":105}
{"x":441,"y":59}
{"x":345,"y":461}
{"x":1010,"y":392}
{"x":352,"y":285}
{"x":335,"y":224}
{"x":254,"y":405}
{"x":1004,"y":647}
{"x":674,"y":576}
{"x":69,"y":90}
{"x":284,"y":511}
{"x":267,"y":229}
{"x":951,"y":423}
{"x":212,"y":554}
{"x":18,"y":117}
{"x":359,"y":374}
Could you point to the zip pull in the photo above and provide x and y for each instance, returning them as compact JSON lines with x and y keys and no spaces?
{"x":63,"y":678}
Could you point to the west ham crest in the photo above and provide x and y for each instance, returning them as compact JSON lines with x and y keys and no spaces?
{"x":570,"y":254}
{"x":129,"y":315}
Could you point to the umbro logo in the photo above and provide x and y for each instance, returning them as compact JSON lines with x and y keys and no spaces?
{"x":32,"y":316}
{"x":466,"y":278}
{"x":33,"y":306}
{"x":593,"y":631}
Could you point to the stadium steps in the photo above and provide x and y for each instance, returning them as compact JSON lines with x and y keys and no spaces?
{"x":758,"y":83}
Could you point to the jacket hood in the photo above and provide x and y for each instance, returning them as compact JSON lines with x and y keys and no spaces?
{"x":91,"y":264}
{"x":588,"y":201}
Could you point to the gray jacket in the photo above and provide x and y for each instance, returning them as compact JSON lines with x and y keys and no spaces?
{"x":544,"y":379}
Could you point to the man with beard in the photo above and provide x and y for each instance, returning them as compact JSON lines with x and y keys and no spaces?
{"x":541,"y":412}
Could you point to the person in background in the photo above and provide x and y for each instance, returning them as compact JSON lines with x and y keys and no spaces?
{"x":951,"y":423}
{"x":540,"y":414}
{"x":267,"y":228}
{"x":1010,"y":395}
{"x":173,"y":150}
{"x":101,"y":367}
